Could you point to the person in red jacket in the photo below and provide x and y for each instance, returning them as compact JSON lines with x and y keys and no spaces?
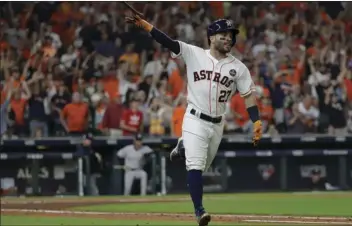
{"x":132,"y":119}
{"x":112,"y":118}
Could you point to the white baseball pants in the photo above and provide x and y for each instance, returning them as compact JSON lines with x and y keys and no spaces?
{"x":130,"y":176}
{"x":201,"y":140}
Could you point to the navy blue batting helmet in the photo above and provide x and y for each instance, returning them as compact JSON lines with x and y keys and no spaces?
{"x":222,"y":25}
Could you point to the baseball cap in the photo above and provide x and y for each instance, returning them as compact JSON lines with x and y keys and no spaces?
{"x":138,"y":136}
{"x":315,"y":171}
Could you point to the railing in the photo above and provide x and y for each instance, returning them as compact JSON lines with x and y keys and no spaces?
{"x":278,"y":163}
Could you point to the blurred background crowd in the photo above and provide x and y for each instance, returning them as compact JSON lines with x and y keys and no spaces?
{"x":73,"y":67}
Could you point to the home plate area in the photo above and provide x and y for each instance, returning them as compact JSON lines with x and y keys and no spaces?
{"x":59,"y":207}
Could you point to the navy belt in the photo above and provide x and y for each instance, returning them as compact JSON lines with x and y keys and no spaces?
{"x":207,"y":117}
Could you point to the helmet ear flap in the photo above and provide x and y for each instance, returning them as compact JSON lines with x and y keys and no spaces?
{"x":234,"y":40}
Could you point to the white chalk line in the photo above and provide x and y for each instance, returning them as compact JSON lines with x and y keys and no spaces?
{"x":243,"y":218}
{"x":297,"y":222}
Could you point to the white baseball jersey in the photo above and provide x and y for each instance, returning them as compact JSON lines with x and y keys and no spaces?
{"x":211,"y":83}
{"x":133,"y":158}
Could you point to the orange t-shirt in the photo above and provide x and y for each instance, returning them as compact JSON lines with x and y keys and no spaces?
{"x":238,"y":105}
{"x":267,"y":112}
{"x":59,"y":18}
{"x":311,"y":51}
{"x":176,"y":83}
{"x":3,"y":45}
{"x":266,"y":92}
{"x":325,"y":17}
{"x":217,"y":9}
{"x":19,"y":106}
{"x":75,"y":116}
{"x":177,"y":120}
{"x":295,"y":77}
{"x":297,"y":74}
{"x":187,"y":6}
{"x":17,"y":83}
{"x":111,"y":86}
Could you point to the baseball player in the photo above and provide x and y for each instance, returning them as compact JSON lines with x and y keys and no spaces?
{"x":134,"y":155}
{"x":213,"y":76}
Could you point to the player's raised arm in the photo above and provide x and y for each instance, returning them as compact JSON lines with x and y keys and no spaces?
{"x":246,"y":88}
{"x":158,"y":35}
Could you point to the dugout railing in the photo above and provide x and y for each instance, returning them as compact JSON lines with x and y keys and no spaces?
{"x":42,"y":166}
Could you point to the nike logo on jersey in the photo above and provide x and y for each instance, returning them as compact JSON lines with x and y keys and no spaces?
{"x":207,"y":75}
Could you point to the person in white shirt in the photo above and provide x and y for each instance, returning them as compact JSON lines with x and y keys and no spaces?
{"x":134,"y":161}
{"x":310,"y":112}
{"x":266,"y":46}
{"x":157,"y":66}
{"x":55,"y":37}
{"x":68,"y":58}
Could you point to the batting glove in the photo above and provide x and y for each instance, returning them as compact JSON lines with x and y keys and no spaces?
{"x":257,"y":132}
{"x":139,"y":22}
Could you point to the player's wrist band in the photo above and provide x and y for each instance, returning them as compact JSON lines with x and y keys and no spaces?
{"x":165,"y":40}
{"x":253,"y":113}
{"x":147,"y":26}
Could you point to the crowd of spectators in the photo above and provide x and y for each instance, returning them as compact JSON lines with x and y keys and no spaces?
{"x":76,"y":66}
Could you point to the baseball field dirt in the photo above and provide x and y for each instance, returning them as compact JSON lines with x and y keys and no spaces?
{"x":58,"y":207}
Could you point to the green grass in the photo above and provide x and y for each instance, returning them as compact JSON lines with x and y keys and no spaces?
{"x":73,"y":221}
{"x":35,"y":220}
{"x":276,"y":194}
{"x":326,"y":204}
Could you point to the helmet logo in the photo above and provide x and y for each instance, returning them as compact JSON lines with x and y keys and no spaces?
{"x":219,"y":27}
{"x":228,"y":23}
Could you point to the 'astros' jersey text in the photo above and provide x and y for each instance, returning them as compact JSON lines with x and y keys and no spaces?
{"x":211,"y":83}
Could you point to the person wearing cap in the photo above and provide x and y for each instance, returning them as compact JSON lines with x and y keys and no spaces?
{"x":95,"y":165}
{"x":319,"y":180}
{"x":134,"y":160}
